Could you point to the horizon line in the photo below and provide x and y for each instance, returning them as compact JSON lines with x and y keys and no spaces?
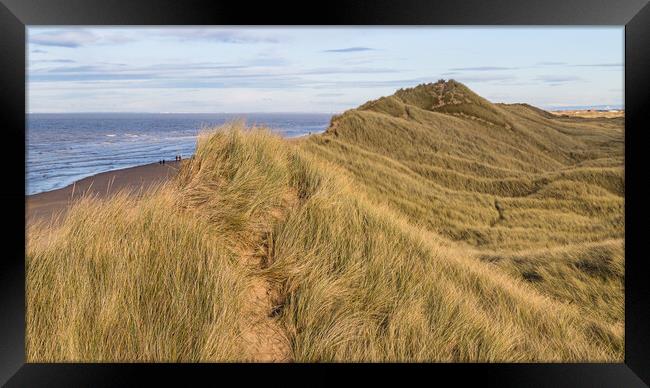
{"x":197,"y":113}
{"x":552,"y":107}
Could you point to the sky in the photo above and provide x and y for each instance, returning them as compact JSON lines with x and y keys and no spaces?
{"x":319,"y":70}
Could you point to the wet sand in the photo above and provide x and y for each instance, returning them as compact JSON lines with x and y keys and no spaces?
{"x":43,"y":206}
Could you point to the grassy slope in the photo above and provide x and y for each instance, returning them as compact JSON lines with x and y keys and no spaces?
{"x":430,"y":225}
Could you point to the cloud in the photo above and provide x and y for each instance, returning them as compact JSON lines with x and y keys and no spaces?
{"x":69,"y":38}
{"x":349,"y":50}
{"x":210,"y":75}
{"x":557,"y":79}
{"x":195,"y":75}
{"x":268,"y":61}
{"x":76,"y":69}
{"x":330,"y":94}
{"x":219,"y":35}
{"x":347,"y":70}
{"x":156,"y":70}
{"x":38,"y":51}
{"x":257,"y":81}
{"x":402,"y":83}
{"x":579,"y":65}
{"x":53,"y":61}
{"x":193,"y":66}
{"x":484,"y":78}
{"x":482,"y":68}
{"x":73,"y":38}
{"x":601,"y":65}
{"x":86,"y":77}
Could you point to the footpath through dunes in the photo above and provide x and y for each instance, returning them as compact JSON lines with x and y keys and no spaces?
{"x":412,"y":230}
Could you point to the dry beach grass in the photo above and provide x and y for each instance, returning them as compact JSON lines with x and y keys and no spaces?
{"x":431,"y":225}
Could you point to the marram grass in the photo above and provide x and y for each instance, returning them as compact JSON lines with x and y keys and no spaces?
{"x":428,"y":226}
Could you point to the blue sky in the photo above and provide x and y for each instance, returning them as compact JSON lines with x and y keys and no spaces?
{"x":327,"y":69}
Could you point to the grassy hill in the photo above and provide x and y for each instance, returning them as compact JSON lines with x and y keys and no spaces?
{"x":430,"y":225}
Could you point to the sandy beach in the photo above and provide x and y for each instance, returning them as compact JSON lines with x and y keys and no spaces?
{"x":589,"y":113}
{"x":42,"y":206}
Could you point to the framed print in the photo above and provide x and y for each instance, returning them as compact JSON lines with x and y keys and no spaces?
{"x":449,"y":189}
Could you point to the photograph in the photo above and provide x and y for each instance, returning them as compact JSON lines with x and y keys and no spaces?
{"x":325,"y":194}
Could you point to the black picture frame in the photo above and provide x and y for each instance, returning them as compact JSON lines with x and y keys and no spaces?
{"x":15,"y":15}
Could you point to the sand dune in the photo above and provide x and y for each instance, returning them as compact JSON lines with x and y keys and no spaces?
{"x":430,"y":225}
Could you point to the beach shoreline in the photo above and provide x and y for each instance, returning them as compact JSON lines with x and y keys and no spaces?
{"x":590,"y":113}
{"x":51,"y":204}
{"x":48,"y":204}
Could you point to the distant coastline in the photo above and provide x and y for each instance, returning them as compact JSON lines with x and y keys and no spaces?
{"x":591,"y":113}
{"x":64,"y":148}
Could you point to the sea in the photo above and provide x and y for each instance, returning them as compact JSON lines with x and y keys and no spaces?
{"x":63,"y":148}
